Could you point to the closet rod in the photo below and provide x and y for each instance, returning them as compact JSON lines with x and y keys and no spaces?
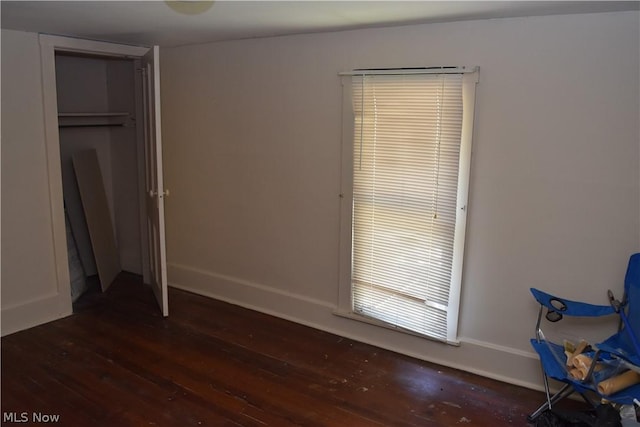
{"x":92,"y":125}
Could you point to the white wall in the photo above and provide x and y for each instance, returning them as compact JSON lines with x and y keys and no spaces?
{"x":252,"y":158}
{"x":30,"y":293}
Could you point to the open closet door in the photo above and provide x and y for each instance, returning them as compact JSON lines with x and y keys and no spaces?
{"x":155,"y":193}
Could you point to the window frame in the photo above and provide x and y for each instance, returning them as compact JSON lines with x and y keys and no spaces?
{"x":345,"y":301}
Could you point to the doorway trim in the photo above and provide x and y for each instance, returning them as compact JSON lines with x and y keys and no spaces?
{"x":49,"y":45}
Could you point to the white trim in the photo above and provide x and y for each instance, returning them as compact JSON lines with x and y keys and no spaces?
{"x":407,"y":71}
{"x":92,"y":47}
{"x":345,"y":303}
{"x":469,"y":82}
{"x":203,"y":280}
{"x":34,"y":313}
{"x":487,"y":359}
{"x":54,"y":172}
{"x":372,"y":321}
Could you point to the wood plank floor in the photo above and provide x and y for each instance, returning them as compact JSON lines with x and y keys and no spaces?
{"x":117,"y":362}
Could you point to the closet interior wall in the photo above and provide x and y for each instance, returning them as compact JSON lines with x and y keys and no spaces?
{"x":102,"y":85}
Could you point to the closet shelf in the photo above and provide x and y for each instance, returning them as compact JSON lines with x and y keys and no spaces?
{"x":94,"y":119}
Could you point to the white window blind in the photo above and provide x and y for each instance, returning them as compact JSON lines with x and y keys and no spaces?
{"x":410,"y":168}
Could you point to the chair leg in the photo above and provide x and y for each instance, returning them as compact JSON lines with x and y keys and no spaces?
{"x":589,"y":401}
{"x":546,"y":386}
{"x":565,"y":391}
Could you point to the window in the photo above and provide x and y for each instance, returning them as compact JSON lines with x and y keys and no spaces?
{"x":407,"y":164}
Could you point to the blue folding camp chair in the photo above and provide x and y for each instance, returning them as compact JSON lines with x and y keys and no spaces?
{"x":620,"y":351}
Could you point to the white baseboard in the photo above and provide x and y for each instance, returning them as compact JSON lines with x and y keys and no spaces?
{"x":34,"y":313}
{"x":489,"y":360}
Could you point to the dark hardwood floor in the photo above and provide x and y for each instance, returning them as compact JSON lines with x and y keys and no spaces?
{"x":117,"y":362}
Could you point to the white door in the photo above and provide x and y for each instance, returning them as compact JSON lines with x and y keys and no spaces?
{"x":155,"y":192}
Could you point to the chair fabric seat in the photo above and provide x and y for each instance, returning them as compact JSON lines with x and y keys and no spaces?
{"x":553,"y":362}
{"x":618,"y":344}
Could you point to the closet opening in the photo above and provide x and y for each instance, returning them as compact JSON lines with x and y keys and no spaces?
{"x":102,"y":108}
{"x":102,"y":160}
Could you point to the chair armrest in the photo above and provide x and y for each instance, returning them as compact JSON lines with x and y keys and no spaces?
{"x":569,"y":307}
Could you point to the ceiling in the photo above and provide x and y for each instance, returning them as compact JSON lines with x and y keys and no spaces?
{"x":154,"y":22}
